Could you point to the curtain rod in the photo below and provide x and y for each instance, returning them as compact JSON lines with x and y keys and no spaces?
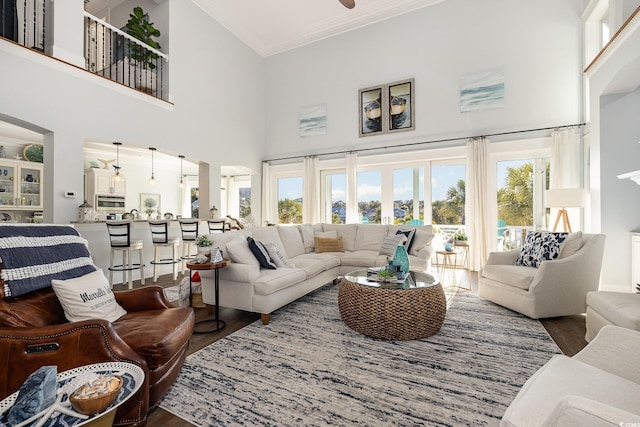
{"x":411,"y":144}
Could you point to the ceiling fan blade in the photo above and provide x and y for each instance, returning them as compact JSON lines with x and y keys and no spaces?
{"x":349,"y":4}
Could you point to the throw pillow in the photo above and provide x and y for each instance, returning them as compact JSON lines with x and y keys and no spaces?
{"x":307,"y":237}
{"x":238,"y":250}
{"x":276,"y":256}
{"x":410,"y":233}
{"x":390,"y":243}
{"x":260,"y":252}
{"x":571,"y":245}
{"x":420,"y":240}
{"x":328,"y":244}
{"x":87,"y":297}
{"x":326,"y":234}
{"x":540,"y":246}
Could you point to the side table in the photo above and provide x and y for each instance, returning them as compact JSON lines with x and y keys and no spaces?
{"x":447,"y":269}
{"x":216,"y":275}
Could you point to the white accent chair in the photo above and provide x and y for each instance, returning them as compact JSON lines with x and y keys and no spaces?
{"x":599,"y":386}
{"x":557,"y":288}
{"x":611,"y":308}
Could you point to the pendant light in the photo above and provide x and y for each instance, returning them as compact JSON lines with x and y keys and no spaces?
{"x":181,"y":183}
{"x":116,"y":167}
{"x":152,"y":180}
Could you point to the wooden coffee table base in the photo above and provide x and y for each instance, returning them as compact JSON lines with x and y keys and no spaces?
{"x":392,"y":314}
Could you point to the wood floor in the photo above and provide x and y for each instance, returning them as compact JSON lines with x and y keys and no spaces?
{"x":568,"y":333}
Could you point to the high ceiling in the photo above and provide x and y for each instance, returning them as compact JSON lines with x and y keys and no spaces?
{"x":273,"y":26}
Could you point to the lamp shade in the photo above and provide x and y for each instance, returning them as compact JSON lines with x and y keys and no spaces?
{"x":565,"y":198}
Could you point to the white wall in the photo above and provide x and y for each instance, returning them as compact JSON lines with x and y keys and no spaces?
{"x":619,"y":139}
{"x":217,"y":112}
{"x":536,"y":44}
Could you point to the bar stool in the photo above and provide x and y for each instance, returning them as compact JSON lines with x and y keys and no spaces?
{"x":217,"y":225}
{"x":161,"y":240}
{"x":189,"y":229}
{"x":121,"y":241}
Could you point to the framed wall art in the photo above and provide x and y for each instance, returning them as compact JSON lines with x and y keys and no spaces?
{"x":150,"y":204}
{"x":482,"y":91}
{"x":371,"y":111}
{"x":313,"y":120}
{"x":400,"y":106}
{"x":387,"y":108}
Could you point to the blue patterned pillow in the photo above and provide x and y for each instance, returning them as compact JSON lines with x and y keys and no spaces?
{"x":540,"y":246}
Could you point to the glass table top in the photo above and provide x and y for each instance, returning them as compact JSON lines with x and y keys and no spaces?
{"x":414,"y":280}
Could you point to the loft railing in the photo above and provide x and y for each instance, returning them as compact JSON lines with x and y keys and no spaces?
{"x":116,"y":55}
{"x":23,"y":21}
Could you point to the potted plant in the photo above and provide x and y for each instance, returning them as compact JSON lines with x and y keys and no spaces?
{"x":460,"y":238}
{"x":204,"y":244}
{"x":139,"y":27}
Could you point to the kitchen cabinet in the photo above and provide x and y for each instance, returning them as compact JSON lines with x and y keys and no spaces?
{"x":100,"y":181}
{"x":20,"y":185}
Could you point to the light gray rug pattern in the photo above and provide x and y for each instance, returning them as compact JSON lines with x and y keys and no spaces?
{"x":307,"y":368}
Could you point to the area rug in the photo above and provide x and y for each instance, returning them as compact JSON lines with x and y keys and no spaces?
{"x":307,"y":368}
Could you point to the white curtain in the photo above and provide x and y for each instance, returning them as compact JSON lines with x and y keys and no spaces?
{"x":311,"y":191}
{"x":479,"y":227}
{"x":352,"y":189}
{"x":267,"y":197}
{"x":565,"y":159}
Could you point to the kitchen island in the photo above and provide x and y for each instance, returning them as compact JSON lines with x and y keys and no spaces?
{"x":100,"y":248}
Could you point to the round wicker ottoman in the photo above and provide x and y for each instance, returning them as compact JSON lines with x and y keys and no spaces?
{"x":408,"y":311}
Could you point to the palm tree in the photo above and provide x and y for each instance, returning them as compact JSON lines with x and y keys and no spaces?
{"x":452,"y":210}
{"x":515,"y":200}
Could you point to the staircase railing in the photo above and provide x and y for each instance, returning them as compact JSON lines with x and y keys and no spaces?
{"x":114,"y":54}
{"x":23,"y":22}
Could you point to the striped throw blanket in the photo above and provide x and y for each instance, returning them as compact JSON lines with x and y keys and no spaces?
{"x":33,"y":255}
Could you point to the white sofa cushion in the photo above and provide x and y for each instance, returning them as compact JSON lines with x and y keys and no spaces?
{"x":420,"y":240}
{"x":238,"y":250}
{"x":329,"y":259}
{"x":513,"y":275}
{"x":563,"y":376}
{"x":571,"y":244}
{"x":369,"y":237}
{"x":347,"y":231}
{"x":268,"y":235}
{"x":363,"y":259}
{"x":291,"y":240}
{"x":271,"y":281}
{"x":312,"y":267}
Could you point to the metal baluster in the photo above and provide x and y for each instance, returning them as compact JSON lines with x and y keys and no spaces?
{"x":44,"y":15}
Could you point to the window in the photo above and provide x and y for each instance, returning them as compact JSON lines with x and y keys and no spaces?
{"x":408,"y":196}
{"x":605,"y":33}
{"x":369,"y":195}
{"x":448,"y":195}
{"x":290,"y":200}
{"x":334,"y":197}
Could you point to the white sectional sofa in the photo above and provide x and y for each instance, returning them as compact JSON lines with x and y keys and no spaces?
{"x":244,"y":285}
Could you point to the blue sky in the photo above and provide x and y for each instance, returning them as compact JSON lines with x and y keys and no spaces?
{"x":369,"y":186}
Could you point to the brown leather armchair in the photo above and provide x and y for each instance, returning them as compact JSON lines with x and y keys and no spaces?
{"x":153,"y":335}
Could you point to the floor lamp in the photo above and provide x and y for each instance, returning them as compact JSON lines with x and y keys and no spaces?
{"x":564,"y":198}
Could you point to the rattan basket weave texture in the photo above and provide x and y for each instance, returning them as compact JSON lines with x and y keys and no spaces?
{"x":392,"y":314}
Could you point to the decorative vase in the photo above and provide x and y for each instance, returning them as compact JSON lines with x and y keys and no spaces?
{"x":204,"y":250}
{"x":401,"y":258}
{"x":29,"y":178}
